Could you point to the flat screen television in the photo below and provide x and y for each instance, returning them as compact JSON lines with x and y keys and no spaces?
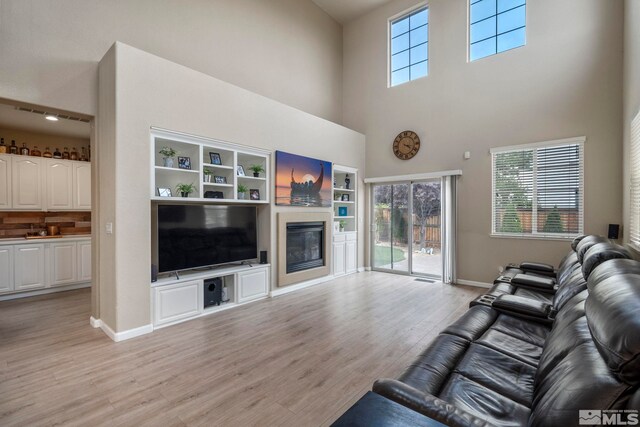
{"x":192,"y":236}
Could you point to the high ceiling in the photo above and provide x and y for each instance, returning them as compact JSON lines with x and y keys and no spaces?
{"x":12,"y":118}
{"x":345,"y":11}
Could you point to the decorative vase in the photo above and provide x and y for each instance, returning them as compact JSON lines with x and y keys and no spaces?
{"x":256,"y":174}
{"x":207,"y":178}
{"x":168,"y":162}
{"x":241,"y":196}
{"x":184,"y":194}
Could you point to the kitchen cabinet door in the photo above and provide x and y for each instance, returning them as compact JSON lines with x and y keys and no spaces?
{"x":26,"y":191}
{"x":62,"y":263}
{"x":6,"y":269}
{"x":82,"y":186}
{"x":59,"y":184}
{"x":84,"y":261}
{"x":5,"y":182}
{"x":29,"y":267}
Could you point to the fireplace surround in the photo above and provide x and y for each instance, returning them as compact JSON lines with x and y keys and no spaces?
{"x":304,"y":250}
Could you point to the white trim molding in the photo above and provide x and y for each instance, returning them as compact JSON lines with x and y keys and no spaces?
{"x":544,"y":144}
{"x":125,"y":335}
{"x":45,"y":291}
{"x":473,"y":283}
{"x":298,"y":286}
{"x":412,"y":177}
{"x":95,"y":323}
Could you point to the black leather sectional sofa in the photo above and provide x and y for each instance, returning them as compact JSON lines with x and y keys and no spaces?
{"x":542,"y":345}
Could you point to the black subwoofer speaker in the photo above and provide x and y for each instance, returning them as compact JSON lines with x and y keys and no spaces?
{"x":212,"y":292}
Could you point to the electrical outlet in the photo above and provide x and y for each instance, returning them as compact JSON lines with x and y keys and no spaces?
{"x":109,"y":228}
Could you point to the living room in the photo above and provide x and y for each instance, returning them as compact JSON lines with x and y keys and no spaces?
{"x":258,"y":83}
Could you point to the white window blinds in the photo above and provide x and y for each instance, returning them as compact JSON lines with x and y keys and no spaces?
{"x":538,"y":189}
{"x":634,"y":187}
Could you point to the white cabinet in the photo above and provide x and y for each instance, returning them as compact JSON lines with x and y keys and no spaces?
{"x":5,"y":182}
{"x":81,"y":186}
{"x":6,"y":269}
{"x":345,"y":253}
{"x":177,"y":302}
{"x":26,"y":183}
{"x":84,"y":261}
{"x":62,"y":263}
{"x":253,"y":284}
{"x":338,"y":258}
{"x":29,"y":267}
{"x":59,"y":184}
{"x":351,"y":256}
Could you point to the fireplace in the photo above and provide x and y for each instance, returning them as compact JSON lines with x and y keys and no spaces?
{"x":305,"y":245}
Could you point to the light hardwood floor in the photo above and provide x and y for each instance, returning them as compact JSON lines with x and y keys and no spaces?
{"x":300,"y":359}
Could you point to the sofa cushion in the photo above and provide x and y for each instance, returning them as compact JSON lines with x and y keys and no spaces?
{"x":600,"y":253}
{"x":512,"y":345}
{"x":585,"y":244}
{"x":473,"y":323}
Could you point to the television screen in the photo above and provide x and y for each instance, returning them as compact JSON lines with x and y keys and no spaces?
{"x":191,"y":236}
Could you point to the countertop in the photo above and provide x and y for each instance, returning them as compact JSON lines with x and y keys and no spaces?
{"x":22,"y":240}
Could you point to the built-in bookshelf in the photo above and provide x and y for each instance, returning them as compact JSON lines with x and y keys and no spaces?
{"x":217,"y":170}
{"x":345,"y":181}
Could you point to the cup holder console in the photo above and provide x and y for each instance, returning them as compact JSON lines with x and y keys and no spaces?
{"x":485,"y":299}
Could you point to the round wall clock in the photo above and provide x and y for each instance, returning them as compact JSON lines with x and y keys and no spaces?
{"x":406,"y":145}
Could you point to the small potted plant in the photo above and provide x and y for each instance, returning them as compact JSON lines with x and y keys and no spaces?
{"x":185,"y":189}
{"x":256,"y":170}
{"x":207,"y":175}
{"x":168,"y":154}
{"x":242,"y":190}
{"x":342,"y":225}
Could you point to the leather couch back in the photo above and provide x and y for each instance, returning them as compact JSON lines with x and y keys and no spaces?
{"x":585,"y":244}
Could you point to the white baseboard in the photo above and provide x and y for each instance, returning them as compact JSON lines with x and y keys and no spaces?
{"x":363,"y":269}
{"x":95,"y":323}
{"x":44,"y":291}
{"x":125,"y":335}
{"x":302,"y":285}
{"x":473,"y":283}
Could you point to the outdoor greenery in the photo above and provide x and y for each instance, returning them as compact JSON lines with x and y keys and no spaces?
{"x":511,"y":221}
{"x":553,"y":223}
{"x":382,"y":255}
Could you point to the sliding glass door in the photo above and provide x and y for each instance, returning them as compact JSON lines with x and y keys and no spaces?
{"x":406,"y":231}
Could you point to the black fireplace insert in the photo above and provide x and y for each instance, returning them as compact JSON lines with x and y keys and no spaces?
{"x":305,"y":245}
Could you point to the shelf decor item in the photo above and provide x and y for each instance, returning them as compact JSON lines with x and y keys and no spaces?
{"x":342,"y":224}
{"x":345,"y":197}
{"x":300,"y":181}
{"x":336,"y":197}
{"x":167,"y":154}
{"x":213,"y":195}
{"x":242,"y":190}
{"x":240,"y":171}
{"x":184,"y":162}
{"x":347,"y":181}
{"x":342,"y":211}
{"x":185,"y":189}
{"x":207,"y":175}
{"x":164,"y":192}
{"x":215,"y":158}
{"x":254,"y":194}
{"x":220,"y":179}
{"x":256,"y":169}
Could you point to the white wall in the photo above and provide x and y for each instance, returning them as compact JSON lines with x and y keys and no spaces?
{"x":139,"y":90}
{"x":631,"y":88}
{"x":565,"y":82}
{"x":288,"y":50}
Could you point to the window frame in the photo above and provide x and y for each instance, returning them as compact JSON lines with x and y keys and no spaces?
{"x":634,"y":181}
{"x":535,"y":234}
{"x":469,"y":23}
{"x":397,"y":17}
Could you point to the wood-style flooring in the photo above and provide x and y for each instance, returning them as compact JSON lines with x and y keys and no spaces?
{"x":300,"y":359}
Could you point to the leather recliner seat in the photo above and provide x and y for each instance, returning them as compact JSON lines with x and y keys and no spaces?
{"x":490,"y":368}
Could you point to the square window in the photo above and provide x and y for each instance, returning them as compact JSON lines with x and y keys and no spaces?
{"x":408,"y":46}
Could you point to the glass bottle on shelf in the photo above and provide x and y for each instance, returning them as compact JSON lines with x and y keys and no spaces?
{"x":35,"y":152}
{"x":13,"y":149}
{"x":65,"y":153}
{"x":3,"y":148}
{"x":83,"y":156}
{"x":74,"y":154}
{"x":57,"y":154}
{"x":24,"y":150}
{"x":47,"y":153}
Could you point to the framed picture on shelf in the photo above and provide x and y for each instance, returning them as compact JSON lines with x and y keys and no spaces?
{"x":215,"y":158}
{"x":336,"y":226}
{"x":342,"y":211}
{"x":184,"y":162}
{"x":345,"y":197}
{"x":220,"y":179}
{"x":241,"y":171}
{"x":254,"y":194}
{"x":164,"y":192}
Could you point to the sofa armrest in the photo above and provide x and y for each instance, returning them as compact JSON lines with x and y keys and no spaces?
{"x":538,"y":267}
{"x":427,"y":404}
{"x":544,"y":284}
{"x":521,"y":307}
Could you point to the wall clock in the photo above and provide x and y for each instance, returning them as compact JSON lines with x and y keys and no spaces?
{"x":406,"y":145}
